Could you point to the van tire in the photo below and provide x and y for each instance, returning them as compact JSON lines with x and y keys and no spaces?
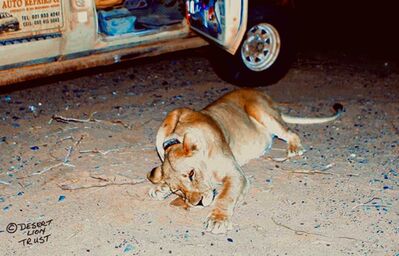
{"x":267,"y":67}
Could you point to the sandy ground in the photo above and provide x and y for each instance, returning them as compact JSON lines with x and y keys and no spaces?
{"x":350,"y":207}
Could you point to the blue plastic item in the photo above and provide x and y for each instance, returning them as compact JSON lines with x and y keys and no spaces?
{"x":116,"y":22}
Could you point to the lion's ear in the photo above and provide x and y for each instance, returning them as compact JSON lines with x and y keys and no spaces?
{"x":155,"y":175}
{"x":190,"y":144}
{"x":167,"y":128}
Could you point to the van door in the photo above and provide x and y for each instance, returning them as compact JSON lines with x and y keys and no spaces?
{"x":223,"y":21}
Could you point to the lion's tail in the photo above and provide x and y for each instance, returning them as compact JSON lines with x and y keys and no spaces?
{"x":338,"y":108}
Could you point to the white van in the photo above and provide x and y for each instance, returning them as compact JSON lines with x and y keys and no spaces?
{"x":46,"y":37}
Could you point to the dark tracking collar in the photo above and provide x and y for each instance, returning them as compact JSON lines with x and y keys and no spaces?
{"x":170,"y":143}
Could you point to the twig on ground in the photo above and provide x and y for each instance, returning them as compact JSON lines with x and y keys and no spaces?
{"x":368,"y":203}
{"x":297,"y":232}
{"x":74,"y":234}
{"x":2,"y":182}
{"x":52,"y":167}
{"x":74,"y":120}
{"x":64,"y":162}
{"x":302,"y":232}
{"x":328,"y":166}
{"x":353,"y":175}
{"x":147,"y":122}
{"x":311,"y":172}
{"x":322,"y":242}
{"x":79,"y":140}
{"x":63,"y":139}
{"x":321,"y":171}
{"x":103,"y":183}
{"x":96,"y":151}
{"x":91,"y":119}
{"x":121,"y":123}
{"x":69,"y":153}
{"x":71,"y":148}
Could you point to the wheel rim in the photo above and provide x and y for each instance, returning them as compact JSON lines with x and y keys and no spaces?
{"x":261,"y":47}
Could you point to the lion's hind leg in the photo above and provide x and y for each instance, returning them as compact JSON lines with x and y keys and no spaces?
{"x":273,"y":125}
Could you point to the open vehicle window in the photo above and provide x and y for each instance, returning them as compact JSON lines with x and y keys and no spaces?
{"x":119,"y":17}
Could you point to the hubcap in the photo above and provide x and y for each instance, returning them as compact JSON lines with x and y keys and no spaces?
{"x":261,"y":47}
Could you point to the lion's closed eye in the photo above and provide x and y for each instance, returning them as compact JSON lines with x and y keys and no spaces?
{"x":191,"y":175}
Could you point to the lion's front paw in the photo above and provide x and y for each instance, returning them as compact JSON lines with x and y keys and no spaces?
{"x":218,"y":222}
{"x":159,"y":193}
{"x":294,"y":146}
{"x":295,"y":150}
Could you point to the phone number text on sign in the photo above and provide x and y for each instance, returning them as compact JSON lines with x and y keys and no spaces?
{"x":39,"y":19}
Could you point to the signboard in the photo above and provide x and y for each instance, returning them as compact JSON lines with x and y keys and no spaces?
{"x":20,"y":18}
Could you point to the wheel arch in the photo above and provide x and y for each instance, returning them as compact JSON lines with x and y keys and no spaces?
{"x":230,"y":65}
{"x":261,"y":8}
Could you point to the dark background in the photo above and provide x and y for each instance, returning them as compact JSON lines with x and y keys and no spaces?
{"x":354,"y":27}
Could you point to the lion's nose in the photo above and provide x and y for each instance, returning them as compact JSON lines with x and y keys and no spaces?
{"x":200,"y":202}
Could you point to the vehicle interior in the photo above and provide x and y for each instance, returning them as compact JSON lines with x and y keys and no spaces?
{"x":135,"y":17}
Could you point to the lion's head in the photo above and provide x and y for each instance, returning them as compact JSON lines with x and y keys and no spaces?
{"x":184,"y":171}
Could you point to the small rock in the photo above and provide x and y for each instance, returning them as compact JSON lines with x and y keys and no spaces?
{"x":34,"y":148}
{"x":7,"y":208}
{"x":32,"y":108}
{"x":129,"y":248}
{"x":178,"y":97}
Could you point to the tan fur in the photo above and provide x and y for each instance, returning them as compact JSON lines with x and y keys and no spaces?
{"x":214,"y":143}
{"x":180,"y":203}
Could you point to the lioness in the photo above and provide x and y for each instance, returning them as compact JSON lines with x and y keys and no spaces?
{"x":202,"y":151}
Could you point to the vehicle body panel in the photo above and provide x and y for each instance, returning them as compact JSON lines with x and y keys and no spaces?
{"x":30,"y":72}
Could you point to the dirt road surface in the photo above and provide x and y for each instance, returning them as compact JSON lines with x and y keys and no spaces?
{"x":78,"y":187}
